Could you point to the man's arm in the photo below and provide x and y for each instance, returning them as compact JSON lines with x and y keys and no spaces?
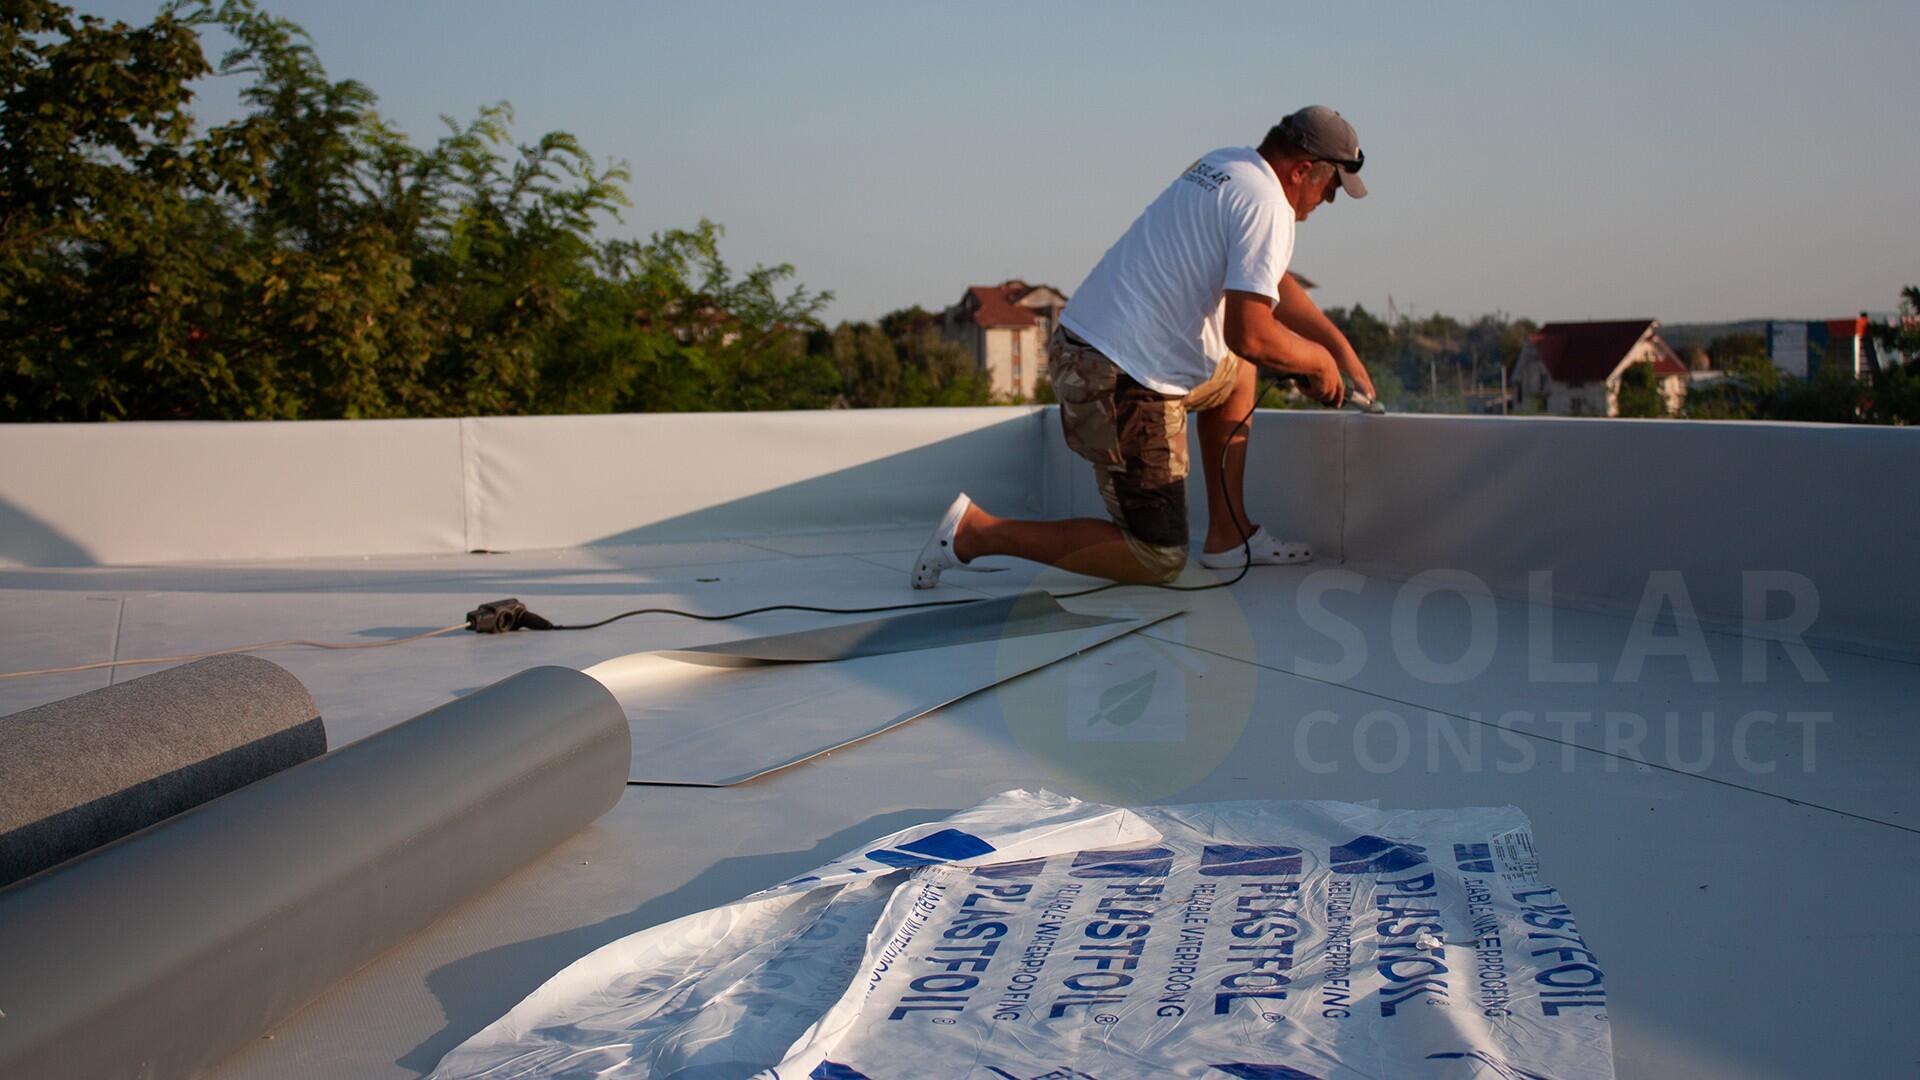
{"x":1298,"y":313}
{"x":1253,"y":332}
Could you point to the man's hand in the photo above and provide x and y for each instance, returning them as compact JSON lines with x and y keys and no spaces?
{"x":1325,"y":387}
{"x":1298,"y":313}
{"x":1362,"y":382}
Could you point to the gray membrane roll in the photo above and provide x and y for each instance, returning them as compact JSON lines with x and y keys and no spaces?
{"x":161,"y":954}
{"x":82,"y":772}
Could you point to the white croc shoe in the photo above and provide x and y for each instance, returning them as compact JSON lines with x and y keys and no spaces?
{"x":1266,"y":552}
{"x":938,"y":554}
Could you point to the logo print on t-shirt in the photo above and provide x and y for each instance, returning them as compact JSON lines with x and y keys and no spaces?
{"x":1207,"y":176}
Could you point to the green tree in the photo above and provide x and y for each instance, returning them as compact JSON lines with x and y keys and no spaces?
{"x":1745,"y":384}
{"x":1639,"y":394}
{"x":902,"y":361}
{"x":1436,"y":363}
{"x":937,"y":371}
{"x":1894,"y":396}
{"x":101,"y":189}
{"x":1373,"y":340}
{"x":1831,"y":396}
{"x":1745,"y":356}
{"x":664,"y":325}
{"x":307,"y":260}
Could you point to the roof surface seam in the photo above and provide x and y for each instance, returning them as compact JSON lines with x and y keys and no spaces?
{"x":468,"y":493}
{"x":1345,"y":490}
{"x":974,"y":589}
{"x":1547,"y":738}
{"x":1717,"y":627}
{"x":119,"y":624}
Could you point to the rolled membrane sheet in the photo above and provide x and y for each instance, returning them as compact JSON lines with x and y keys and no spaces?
{"x":82,"y":772}
{"x":162,"y":953}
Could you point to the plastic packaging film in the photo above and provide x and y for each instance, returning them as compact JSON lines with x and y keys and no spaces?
{"x":1036,"y":935}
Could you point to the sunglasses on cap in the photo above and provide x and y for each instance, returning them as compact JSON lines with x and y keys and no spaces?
{"x":1351,"y":166}
{"x":1291,"y":129}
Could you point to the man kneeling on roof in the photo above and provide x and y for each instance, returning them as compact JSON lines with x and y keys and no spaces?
{"x":1176,"y":318}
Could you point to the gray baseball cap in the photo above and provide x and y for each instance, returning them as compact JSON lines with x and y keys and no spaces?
{"x":1326,"y":135}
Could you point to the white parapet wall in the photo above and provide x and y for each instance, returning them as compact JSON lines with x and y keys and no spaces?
{"x":1609,"y":508}
{"x":1658,"y":515}
{"x":119,"y":494}
{"x":549,"y":482}
{"x":113,"y":494}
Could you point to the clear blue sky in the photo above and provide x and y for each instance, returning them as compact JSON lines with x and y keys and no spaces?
{"x":1689,"y":162}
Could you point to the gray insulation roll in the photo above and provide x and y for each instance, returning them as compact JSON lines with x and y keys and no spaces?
{"x":79,"y":773}
{"x":161,"y":954}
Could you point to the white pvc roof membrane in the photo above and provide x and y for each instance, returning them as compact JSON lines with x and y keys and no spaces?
{"x":1741,"y":888}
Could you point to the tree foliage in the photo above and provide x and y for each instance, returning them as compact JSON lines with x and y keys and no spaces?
{"x":1442,"y":364}
{"x":307,"y":260}
{"x":1750,"y":387}
{"x":902,"y":361}
{"x":1437,"y":363}
{"x":1639,"y":394}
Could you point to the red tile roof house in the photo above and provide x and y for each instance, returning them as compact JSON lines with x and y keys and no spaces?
{"x":1006,"y":326}
{"x":1574,"y":368}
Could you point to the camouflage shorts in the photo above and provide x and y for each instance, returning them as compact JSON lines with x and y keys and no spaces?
{"x":1136,"y":438}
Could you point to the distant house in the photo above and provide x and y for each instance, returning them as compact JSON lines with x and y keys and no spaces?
{"x":1006,"y":327}
{"x":1804,"y":348}
{"x":1574,"y":368}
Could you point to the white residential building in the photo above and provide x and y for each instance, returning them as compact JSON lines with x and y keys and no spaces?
{"x":1006,"y":327}
{"x":1574,"y":368}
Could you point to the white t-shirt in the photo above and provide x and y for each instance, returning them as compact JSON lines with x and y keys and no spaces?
{"x":1224,"y":224}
